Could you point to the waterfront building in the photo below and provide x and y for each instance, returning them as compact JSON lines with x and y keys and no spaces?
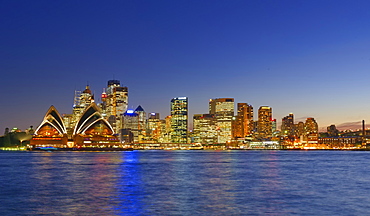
{"x":93,"y":130}
{"x":90,"y":130}
{"x":287,"y":125}
{"x":340,"y":142}
{"x":126,"y":136}
{"x":204,"y":129}
{"x":179,"y":120}
{"x":223,"y":109}
{"x":264,"y":122}
{"x":51,"y":131}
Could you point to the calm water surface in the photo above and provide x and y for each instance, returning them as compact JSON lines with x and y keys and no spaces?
{"x":185,"y":183}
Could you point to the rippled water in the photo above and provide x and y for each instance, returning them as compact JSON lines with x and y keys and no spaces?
{"x":185,"y":183}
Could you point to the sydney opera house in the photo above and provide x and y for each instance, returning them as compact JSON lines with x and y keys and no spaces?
{"x":90,"y":130}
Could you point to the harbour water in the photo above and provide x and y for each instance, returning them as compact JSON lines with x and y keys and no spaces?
{"x":185,"y":183}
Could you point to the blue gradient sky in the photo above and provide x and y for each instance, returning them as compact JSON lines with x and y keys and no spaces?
{"x":310,"y":57}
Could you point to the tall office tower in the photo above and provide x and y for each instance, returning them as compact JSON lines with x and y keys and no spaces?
{"x":141,"y":122}
{"x":86,"y":97}
{"x":311,"y":131}
{"x":179,"y":120}
{"x":204,"y":128}
{"x":154,"y":127}
{"x":116,"y":101}
{"x":221,"y":106}
{"x":82,"y":100}
{"x":166,"y":129}
{"x":223,"y":109}
{"x":243,"y":122}
{"x":130,"y":123}
{"x":287,"y":125}
{"x":237,"y":127}
{"x":264,"y":122}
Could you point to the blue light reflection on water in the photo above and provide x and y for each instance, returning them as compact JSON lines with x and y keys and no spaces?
{"x":185,"y":183}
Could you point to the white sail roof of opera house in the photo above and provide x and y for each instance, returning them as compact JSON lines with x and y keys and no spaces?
{"x":90,"y":118}
{"x":54,"y":120}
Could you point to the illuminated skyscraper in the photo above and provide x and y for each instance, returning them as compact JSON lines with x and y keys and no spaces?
{"x":204,"y":128}
{"x":311,"y":131}
{"x":166,"y":129}
{"x":130,"y":123}
{"x":311,"y":126}
{"x":86,"y":97}
{"x":223,"y":109}
{"x":287,"y":125}
{"x":264,"y":122}
{"x":142,"y":126}
{"x":154,"y":127}
{"x":116,"y":101}
{"x":135,"y":121}
{"x":243,"y":122}
{"x":82,"y":100}
{"x":179,"y":120}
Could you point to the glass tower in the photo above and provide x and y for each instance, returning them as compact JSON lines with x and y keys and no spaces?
{"x":179,"y":120}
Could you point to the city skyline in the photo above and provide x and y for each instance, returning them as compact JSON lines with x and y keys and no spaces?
{"x":309,"y":58}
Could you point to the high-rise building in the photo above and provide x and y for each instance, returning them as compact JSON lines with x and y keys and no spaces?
{"x":86,"y":97}
{"x":154,"y":127}
{"x":311,"y":131}
{"x":166,"y":129}
{"x":243,"y":122}
{"x":82,"y":100}
{"x":179,"y":120}
{"x":204,"y":128}
{"x":287,"y":125}
{"x":135,"y":121}
{"x":223,"y":109}
{"x":142,"y":126}
{"x":264,"y":122}
{"x":130,"y":123}
{"x":221,"y":106}
{"x":311,"y":126}
{"x":115,"y":101}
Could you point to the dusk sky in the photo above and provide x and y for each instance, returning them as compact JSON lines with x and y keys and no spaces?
{"x":310,"y":58}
